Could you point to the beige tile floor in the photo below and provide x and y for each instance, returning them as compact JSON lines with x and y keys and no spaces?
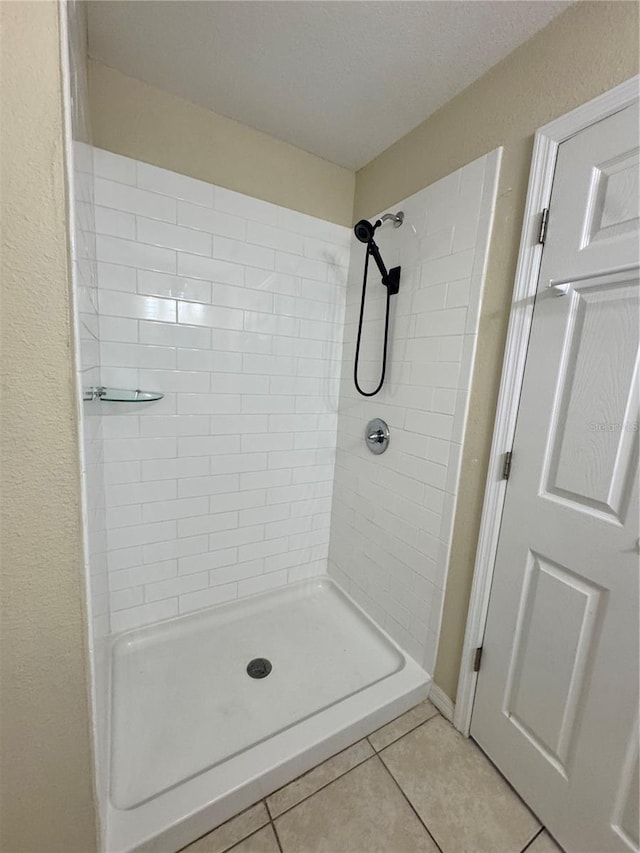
{"x":414,"y":786}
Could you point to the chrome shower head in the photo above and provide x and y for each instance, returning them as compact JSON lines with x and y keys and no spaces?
{"x":364,"y":230}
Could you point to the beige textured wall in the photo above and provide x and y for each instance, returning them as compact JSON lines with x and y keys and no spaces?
{"x":588,"y":49}
{"x":47,"y":778}
{"x":132,"y":118}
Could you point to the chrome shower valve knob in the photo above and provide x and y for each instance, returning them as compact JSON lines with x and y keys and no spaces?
{"x":377,"y":436}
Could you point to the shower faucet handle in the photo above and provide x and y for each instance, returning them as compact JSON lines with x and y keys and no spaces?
{"x":376,"y":436}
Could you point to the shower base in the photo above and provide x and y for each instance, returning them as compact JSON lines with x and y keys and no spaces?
{"x":195,"y":738}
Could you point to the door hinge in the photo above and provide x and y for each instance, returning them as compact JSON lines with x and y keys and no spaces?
{"x":544,"y":224}
{"x":477,"y":657}
{"x":506,"y":465}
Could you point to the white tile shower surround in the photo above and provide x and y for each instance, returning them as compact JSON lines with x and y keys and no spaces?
{"x":234,"y":308}
{"x":335,"y":678}
{"x":392,"y":517}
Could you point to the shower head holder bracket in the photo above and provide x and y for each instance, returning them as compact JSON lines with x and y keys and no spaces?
{"x":393,"y":280}
{"x":390,"y":278}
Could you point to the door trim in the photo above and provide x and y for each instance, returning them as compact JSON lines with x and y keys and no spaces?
{"x":545,"y":152}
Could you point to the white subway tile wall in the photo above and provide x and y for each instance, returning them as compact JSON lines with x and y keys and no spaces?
{"x":234,"y":309}
{"x":392,"y":516}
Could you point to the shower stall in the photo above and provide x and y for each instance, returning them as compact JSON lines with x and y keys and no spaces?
{"x":263,"y":589}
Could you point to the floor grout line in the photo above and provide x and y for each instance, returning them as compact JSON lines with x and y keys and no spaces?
{"x":266,"y":805}
{"x":246,"y":837}
{"x":408,"y":732}
{"x":224,"y":823}
{"x":531,"y":840}
{"x":370,"y":758}
{"x":322,"y":787}
{"x":411,"y":806}
{"x":275,"y":832}
{"x":272,"y":817}
{"x":240,"y":841}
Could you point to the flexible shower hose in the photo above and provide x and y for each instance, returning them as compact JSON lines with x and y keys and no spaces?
{"x":386,"y":334}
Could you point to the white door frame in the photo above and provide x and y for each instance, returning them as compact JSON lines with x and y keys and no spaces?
{"x":545,"y":153}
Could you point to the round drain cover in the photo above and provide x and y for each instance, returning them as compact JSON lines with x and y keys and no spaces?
{"x":259,"y":668}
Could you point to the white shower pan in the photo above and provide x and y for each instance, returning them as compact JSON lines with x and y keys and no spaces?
{"x":194,"y":739}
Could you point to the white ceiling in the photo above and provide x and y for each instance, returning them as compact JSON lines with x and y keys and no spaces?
{"x":343,"y":79}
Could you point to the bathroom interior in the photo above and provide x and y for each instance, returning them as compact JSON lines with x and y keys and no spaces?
{"x":260,"y":338}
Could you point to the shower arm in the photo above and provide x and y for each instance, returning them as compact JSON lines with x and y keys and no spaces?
{"x":390,"y":278}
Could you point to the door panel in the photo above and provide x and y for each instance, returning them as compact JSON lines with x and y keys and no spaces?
{"x":595,"y":206}
{"x":590,"y":454}
{"x":557,"y":697}
{"x":548,"y":668}
{"x":614,"y":201}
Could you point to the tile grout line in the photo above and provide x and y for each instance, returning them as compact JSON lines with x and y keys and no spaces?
{"x":244,"y":838}
{"x":531,"y":840}
{"x":411,"y":806}
{"x":224,"y":823}
{"x":272,"y":818}
{"x":376,"y":754}
{"x":273,"y":826}
{"x":370,"y":758}
{"x":538,"y":832}
{"x":321,"y":788}
{"x":395,"y":740}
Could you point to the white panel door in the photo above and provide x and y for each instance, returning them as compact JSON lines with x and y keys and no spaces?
{"x":556,"y":706}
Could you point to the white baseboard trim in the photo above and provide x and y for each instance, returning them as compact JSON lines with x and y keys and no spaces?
{"x":442,"y":702}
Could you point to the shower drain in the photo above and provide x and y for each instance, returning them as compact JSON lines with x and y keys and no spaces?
{"x":259,"y":668}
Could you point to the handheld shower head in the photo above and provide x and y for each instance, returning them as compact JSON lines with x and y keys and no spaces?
{"x":364,"y":231}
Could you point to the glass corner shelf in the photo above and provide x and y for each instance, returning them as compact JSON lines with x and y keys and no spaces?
{"x":120,"y":395}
